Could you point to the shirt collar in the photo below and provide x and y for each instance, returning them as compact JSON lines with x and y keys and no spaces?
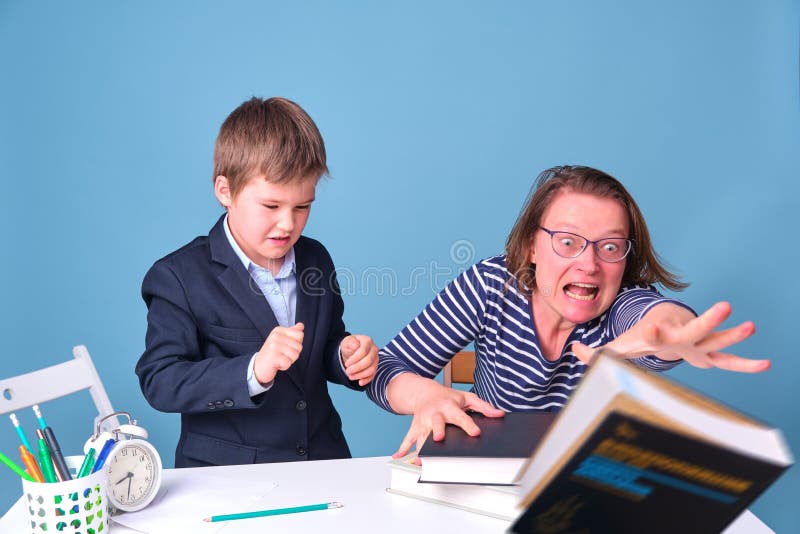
{"x":287,"y":268}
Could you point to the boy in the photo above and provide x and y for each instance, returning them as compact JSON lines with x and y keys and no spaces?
{"x":244,"y":326}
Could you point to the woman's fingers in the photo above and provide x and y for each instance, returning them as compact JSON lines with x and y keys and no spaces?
{"x":464,"y":421}
{"x":697,"y":358}
{"x":404,"y":447}
{"x":731,"y":362}
{"x":725,"y":338}
{"x":700,"y":327}
{"x":476,"y":404}
{"x":582,"y":352}
{"x":449,"y":408}
{"x":415,"y":435}
{"x":437,"y":426}
{"x":670,"y":335}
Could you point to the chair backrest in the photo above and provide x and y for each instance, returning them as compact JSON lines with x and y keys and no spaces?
{"x":460,"y":369}
{"x":23,"y":391}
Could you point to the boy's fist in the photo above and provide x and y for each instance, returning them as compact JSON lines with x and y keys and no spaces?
{"x":348,"y":347}
{"x":279,"y":351}
{"x":360,"y":358}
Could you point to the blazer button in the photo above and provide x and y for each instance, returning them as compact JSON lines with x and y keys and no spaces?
{"x":211,"y":405}
{"x":228,"y":403}
{"x":301,"y":405}
{"x":301,"y":451}
{"x":218,"y":404}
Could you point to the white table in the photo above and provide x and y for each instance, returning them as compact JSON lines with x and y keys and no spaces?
{"x":359,"y":483}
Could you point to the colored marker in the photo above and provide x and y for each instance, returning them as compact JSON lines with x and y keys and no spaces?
{"x":14,"y":467}
{"x":30,"y":463}
{"x":101,"y":458}
{"x":58,"y":459}
{"x":45,"y":460}
{"x":20,"y":433}
{"x":88,"y":462}
{"x":277,"y":511}
{"x":39,"y":416}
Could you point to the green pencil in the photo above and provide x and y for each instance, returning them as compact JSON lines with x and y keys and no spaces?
{"x":14,"y":467}
{"x":277,"y":511}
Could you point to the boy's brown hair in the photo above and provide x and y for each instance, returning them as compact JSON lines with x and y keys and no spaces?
{"x":274,"y":138}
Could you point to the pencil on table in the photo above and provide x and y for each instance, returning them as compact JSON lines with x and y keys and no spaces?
{"x":277,"y":511}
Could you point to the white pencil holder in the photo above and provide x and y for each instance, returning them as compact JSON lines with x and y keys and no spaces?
{"x":77,"y":506}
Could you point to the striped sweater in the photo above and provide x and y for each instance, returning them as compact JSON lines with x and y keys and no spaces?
{"x":511,"y":373}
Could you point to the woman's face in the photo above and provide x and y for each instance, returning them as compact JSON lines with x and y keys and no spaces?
{"x":578,"y":289}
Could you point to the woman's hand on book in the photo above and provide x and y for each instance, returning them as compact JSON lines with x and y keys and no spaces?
{"x":671,"y":332}
{"x":435,"y":406}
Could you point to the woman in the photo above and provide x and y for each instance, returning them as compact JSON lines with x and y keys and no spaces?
{"x":578,"y":274}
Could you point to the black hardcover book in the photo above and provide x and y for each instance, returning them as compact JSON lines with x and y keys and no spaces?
{"x":632,"y":452}
{"x":493,"y":457}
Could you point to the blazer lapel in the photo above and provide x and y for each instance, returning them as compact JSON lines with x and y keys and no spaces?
{"x":238,"y":282}
{"x":309,"y":291}
{"x":244,"y":290}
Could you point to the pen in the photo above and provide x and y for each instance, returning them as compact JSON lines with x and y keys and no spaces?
{"x":55,"y":452}
{"x":39,"y":416}
{"x":88,"y":462}
{"x":20,"y":433}
{"x":30,"y":464}
{"x":277,"y":511}
{"x":101,"y":458}
{"x":14,"y":467}
{"x":44,"y":459}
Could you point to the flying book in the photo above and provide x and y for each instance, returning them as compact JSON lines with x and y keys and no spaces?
{"x":495,"y":501}
{"x":493,"y":457}
{"x":635,"y":452}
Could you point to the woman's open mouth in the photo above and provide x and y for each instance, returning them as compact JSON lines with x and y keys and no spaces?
{"x":581,"y":291}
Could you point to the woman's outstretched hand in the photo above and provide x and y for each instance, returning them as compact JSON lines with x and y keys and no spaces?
{"x":671,"y":332}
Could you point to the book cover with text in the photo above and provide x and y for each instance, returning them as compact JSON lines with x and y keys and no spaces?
{"x":634,"y":451}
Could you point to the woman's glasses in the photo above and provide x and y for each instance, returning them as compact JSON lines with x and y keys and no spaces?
{"x":569,"y":245}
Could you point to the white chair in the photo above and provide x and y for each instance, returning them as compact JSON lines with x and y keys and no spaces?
{"x":78,"y":374}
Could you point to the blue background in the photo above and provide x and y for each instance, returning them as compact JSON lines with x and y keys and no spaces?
{"x":437,"y":117}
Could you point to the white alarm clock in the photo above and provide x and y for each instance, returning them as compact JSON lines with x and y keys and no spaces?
{"x":133,"y":464}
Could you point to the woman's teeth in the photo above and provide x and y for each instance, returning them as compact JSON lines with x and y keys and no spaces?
{"x":581,"y":291}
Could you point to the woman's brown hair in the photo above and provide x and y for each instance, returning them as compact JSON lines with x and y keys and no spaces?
{"x":643,"y":265}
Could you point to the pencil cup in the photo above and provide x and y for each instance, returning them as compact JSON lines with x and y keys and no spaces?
{"x":78,"y":506}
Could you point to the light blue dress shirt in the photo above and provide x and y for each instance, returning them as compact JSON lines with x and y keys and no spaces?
{"x":280,"y":292}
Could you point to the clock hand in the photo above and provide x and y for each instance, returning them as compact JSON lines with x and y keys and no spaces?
{"x":130,"y":478}
{"x":123,"y":479}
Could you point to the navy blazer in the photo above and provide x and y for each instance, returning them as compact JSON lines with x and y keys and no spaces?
{"x":206,"y":317}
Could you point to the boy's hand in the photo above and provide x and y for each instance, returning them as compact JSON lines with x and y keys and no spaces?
{"x":360,"y":358}
{"x":279,"y":351}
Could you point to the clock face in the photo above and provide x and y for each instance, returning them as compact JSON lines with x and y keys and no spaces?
{"x":134,"y":475}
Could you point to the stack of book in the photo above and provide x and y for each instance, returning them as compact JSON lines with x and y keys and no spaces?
{"x":631,"y":452}
{"x":477,"y":474}
{"x":495,"y":501}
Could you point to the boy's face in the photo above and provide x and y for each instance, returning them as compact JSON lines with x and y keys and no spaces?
{"x":266,"y":219}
